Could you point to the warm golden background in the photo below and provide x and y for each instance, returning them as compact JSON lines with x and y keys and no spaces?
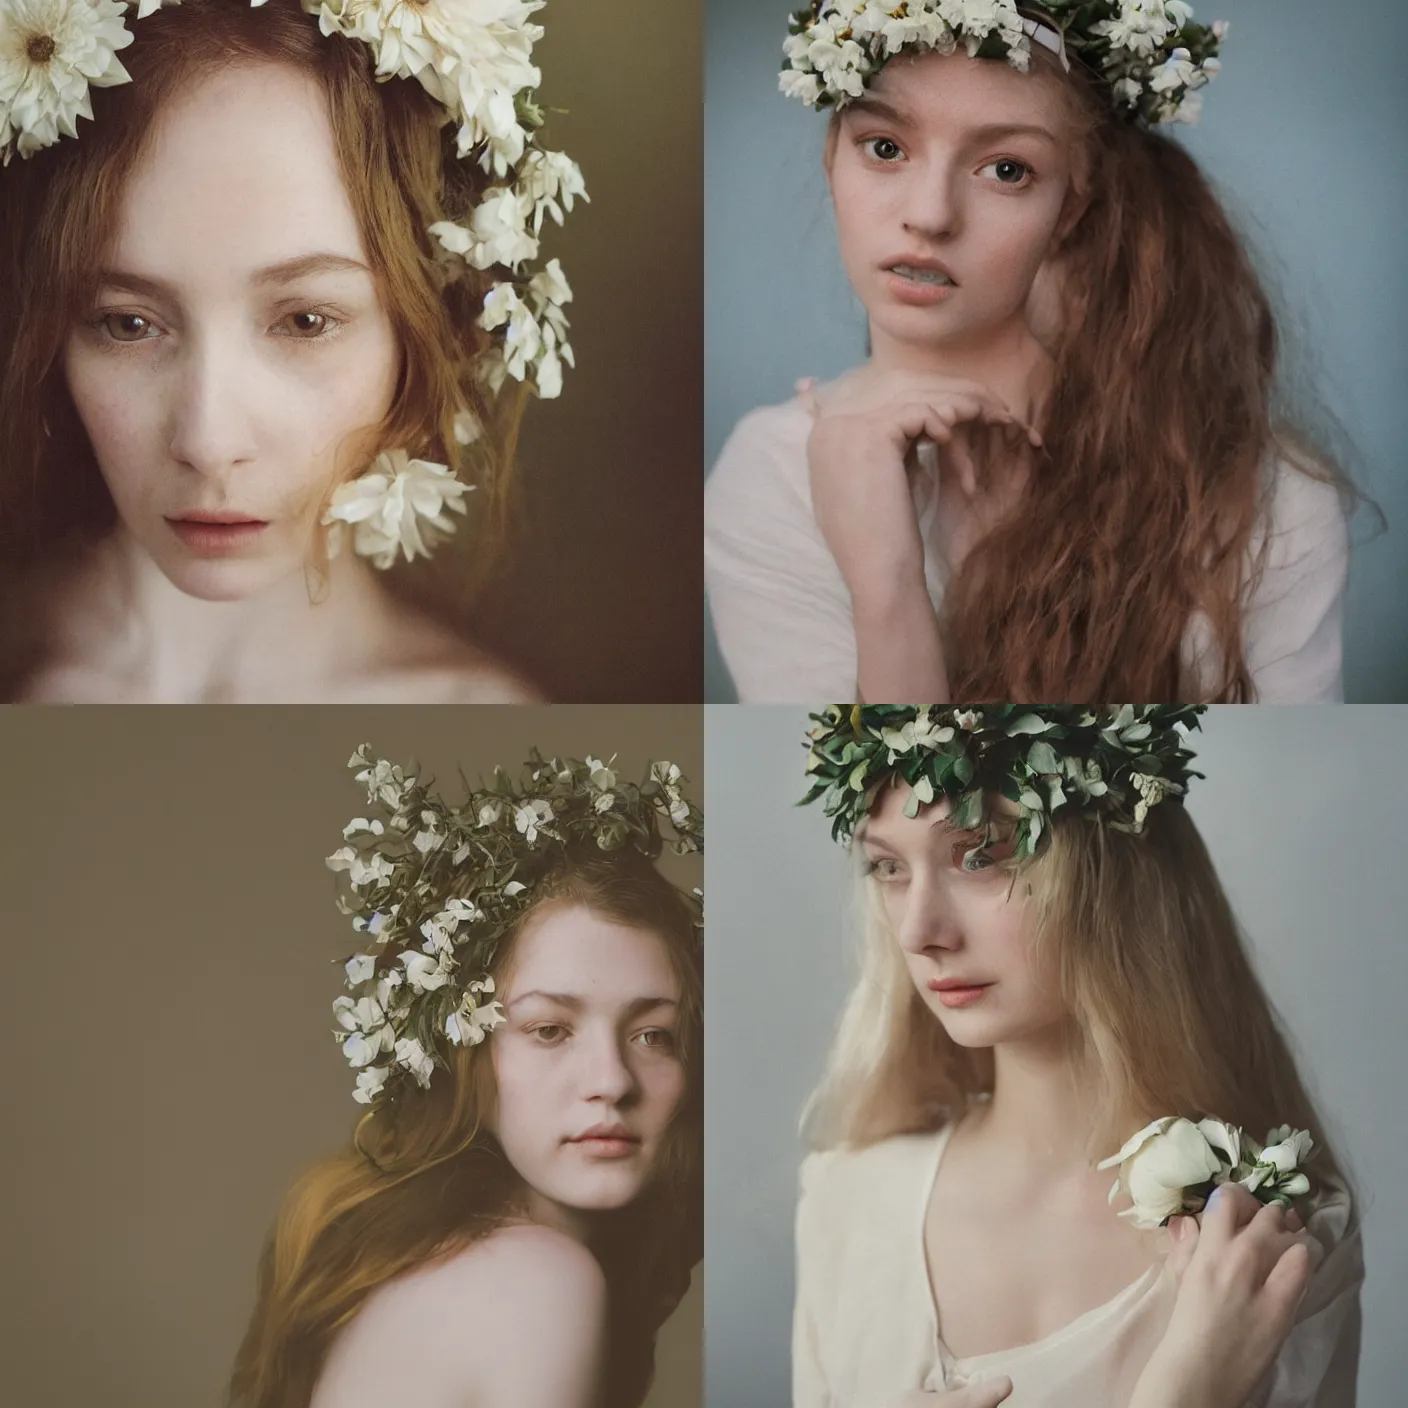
{"x":604,"y":600}
{"x":170,"y":936}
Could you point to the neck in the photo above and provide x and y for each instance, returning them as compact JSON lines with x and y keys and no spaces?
{"x":175,"y":647}
{"x":1008,"y":359}
{"x":573,"y":1221}
{"x":1043,"y":1100}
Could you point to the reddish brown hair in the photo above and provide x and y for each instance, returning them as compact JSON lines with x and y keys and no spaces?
{"x":1159,"y":430}
{"x":58,"y":208}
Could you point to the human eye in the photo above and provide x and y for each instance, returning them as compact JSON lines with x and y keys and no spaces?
{"x":656,"y":1039}
{"x":124,"y":328}
{"x":885,"y":150}
{"x":549,"y":1033}
{"x":1008,"y":171}
{"x":886,"y":869}
{"x":309,"y":324}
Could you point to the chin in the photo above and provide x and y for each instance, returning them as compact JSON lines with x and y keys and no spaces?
{"x":229,"y":579}
{"x":600,"y":1190}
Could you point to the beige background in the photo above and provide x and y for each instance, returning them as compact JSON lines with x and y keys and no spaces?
{"x":606,"y":599}
{"x":169,"y":934}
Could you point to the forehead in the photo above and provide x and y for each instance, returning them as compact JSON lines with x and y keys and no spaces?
{"x":886,"y":819}
{"x":569,"y":949}
{"x":953,"y":90}
{"x":241,"y":172}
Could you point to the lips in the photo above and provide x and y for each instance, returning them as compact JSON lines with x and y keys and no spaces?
{"x":219,"y":517}
{"x":921,"y":269}
{"x":957,"y":992}
{"x":606,"y":1141}
{"x":218,"y":533}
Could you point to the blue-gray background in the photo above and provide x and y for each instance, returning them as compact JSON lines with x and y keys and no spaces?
{"x":1303,"y":135}
{"x":1302,"y":812}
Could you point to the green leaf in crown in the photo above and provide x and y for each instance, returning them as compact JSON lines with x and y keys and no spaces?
{"x":1114,"y":762}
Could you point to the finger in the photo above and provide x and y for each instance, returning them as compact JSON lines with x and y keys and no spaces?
{"x":1293,"y":1221}
{"x":1288,"y":1280}
{"x":987,"y":1395}
{"x":1183,"y":1234}
{"x":806,"y":391}
{"x":1229,"y":1209}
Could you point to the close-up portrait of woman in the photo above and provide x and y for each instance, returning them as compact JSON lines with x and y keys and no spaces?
{"x":475,"y":1170}
{"x":1096,"y":1114}
{"x":288,"y":398}
{"x":1066,"y":396}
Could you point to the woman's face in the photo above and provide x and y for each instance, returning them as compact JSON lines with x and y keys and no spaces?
{"x":965,"y":934}
{"x":951,"y":178}
{"x":588,"y":1070}
{"x":237,"y":340}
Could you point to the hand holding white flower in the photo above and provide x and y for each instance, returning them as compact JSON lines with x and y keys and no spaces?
{"x":1170,"y":1167}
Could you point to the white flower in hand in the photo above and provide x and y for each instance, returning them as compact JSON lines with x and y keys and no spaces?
{"x":1157,"y":1167}
{"x":399,"y":506}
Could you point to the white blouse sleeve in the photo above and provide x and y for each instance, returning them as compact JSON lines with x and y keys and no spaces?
{"x":809,"y":1385}
{"x":1294,"y":617}
{"x":779,"y":602}
{"x":1318,"y":1366}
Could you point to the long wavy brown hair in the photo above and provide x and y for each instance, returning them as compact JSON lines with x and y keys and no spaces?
{"x":1137,"y":935}
{"x":424,"y":1178}
{"x":1159,"y":437}
{"x":59,"y":208}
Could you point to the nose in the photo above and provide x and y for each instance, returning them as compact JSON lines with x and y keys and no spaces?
{"x":930,"y":921}
{"x":212,"y":430}
{"x":933,"y":203}
{"x":606,"y":1074}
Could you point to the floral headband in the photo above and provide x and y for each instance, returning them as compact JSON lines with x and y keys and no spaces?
{"x":1150,"y":52}
{"x":435,"y":888}
{"x":1114,"y":762}
{"x":474,"y":58}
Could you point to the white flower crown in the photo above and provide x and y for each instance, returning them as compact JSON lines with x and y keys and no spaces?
{"x":1151,"y":52}
{"x":474,"y":58}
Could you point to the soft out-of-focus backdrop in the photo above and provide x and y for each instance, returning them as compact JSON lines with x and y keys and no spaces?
{"x":1301,"y":134}
{"x":171,"y":938}
{"x":1299,"y":811}
{"x":602,"y":598}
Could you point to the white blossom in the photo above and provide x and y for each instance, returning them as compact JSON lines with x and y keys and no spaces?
{"x":360,"y":968}
{"x":424,"y":974}
{"x":412,"y":1057}
{"x":370,"y":1081}
{"x":361,"y":870}
{"x":399,"y":506}
{"x":51,"y":52}
{"x":531,"y":817}
{"x":1157,"y":1167}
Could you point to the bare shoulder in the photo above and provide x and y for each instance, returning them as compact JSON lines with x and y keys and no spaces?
{"x":514,"y":1320}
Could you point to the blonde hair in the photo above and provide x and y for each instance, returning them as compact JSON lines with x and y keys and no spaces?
{"x":424,"y":1177}
{"x":1141,"y":941}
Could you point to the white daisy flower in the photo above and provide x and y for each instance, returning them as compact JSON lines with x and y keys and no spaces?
{"x":51,"y":51}
{"x":398,"y":507}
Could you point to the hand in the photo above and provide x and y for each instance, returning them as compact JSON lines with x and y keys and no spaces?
{"x":1241,"y":1275}
{"x":986,"y":1395}
{"x":858,"y":455}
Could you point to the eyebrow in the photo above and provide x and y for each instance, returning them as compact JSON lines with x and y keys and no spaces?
{"x":575,"y":1004}
{"x":990,"y":132}
{"x":285,"y":271}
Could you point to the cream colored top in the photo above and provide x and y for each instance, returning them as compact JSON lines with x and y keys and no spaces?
{"x":783,"y":613}
{"x":865,"y":1329}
